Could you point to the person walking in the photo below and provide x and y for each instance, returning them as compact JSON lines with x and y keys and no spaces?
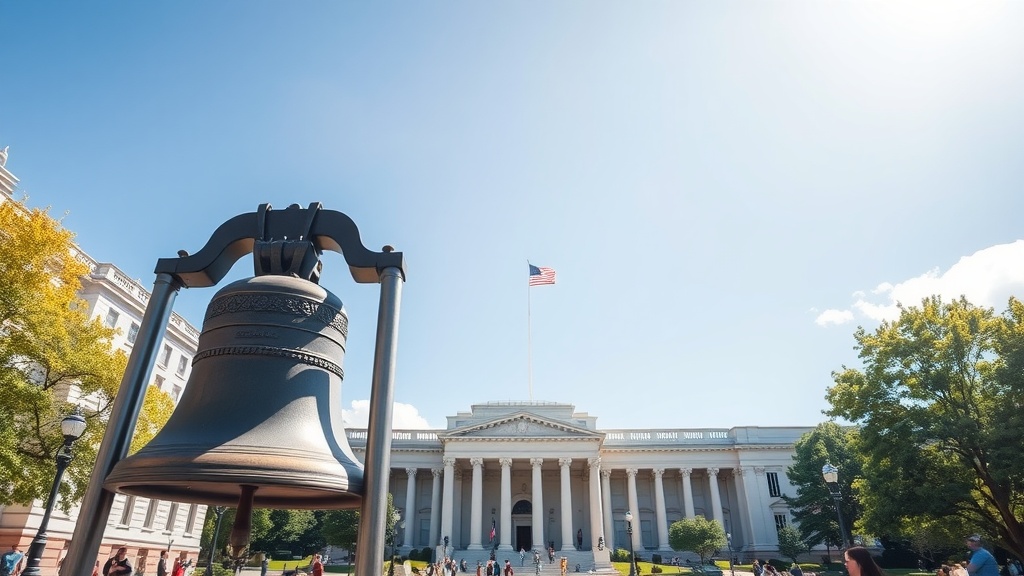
{"x":981,"y":563}
{"x":859,"y":562}
{"x":118,"y":564}
{"x":9,"y":561}
{"x":161,"y":564}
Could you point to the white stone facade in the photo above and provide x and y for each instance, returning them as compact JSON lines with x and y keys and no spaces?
{"x":543,"y":473}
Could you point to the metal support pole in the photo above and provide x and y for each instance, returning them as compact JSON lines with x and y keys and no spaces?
{"x":219,"y":511}
{"x":838,"y":498}
{"x":92,"y":517}
{"x":632,"y":555}
{"x":376,"y":467}
{"x":35,"y":550}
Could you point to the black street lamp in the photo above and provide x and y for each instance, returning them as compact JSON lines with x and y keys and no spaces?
{"x":831,"y":475}
{"x":219,"y":511}
{"x":399,"y":523}
{"x":728,"y":538}
{"x":72,"y":426}
{"x":629,"y":536}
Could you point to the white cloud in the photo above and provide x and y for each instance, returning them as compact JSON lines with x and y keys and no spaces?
{"x":403,"y":416}
{"x":833,"y":316}
{"x":987,"y":278}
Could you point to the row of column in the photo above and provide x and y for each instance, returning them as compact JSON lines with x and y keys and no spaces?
{"x":602,"y":525}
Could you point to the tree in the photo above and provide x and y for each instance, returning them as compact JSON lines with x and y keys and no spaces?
{"x":699,"y":535}
{"x":813,"y":507}
{"x":939,"y":407}
{"x":791,"y":543}
{"x":261,"y":527}
{"x":341,"y":527}
{"x":50,"y":351}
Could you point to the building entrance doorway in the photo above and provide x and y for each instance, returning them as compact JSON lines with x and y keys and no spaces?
{"x":524,"y":539}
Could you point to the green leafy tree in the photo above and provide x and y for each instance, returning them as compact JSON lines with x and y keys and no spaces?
{"x":341,"y":527}
{"x":49,"y":351}
{"x":939,"y":408}
{"x":791,"y":543}
{"x":261,"y":527}
{"x":698,"y":535}
{"x":813,"y":507}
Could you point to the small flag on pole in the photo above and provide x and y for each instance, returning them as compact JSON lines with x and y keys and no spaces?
{"x":492,"y":529}
{"x":540,"y":275}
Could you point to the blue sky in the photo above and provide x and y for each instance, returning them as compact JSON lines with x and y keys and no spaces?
{"x":726,"y":189}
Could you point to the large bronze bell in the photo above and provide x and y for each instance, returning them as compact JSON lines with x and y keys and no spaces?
{"x":260,"y":417}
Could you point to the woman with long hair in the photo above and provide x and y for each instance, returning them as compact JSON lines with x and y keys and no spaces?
{"x":860,"y":563}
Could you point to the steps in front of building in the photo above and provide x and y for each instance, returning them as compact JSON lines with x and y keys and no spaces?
{"x":584,"y":558}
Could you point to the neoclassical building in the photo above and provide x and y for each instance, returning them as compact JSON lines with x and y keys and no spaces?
{"x":543,"y":474}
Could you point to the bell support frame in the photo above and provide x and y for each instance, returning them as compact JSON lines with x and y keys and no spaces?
{"x":326,"y":230}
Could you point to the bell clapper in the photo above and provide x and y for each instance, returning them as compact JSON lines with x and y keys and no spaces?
{"x":241,"y":531}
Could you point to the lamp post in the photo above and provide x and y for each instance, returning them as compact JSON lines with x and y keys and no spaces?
{"x":728,"y":538}
{"x":399,"y":523}
{"x":831,"y":475}
{"x":219,"y":511}
{"x":72,"y":427}
{"x":629,"y":536}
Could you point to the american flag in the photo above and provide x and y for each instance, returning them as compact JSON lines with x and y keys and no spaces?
{"x":540,"y":275}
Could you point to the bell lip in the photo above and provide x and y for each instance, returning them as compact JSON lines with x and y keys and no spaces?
{"x":279,"y":494}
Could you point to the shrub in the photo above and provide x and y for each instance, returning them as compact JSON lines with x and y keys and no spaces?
{"x":426,"y":554}
{"x":655,"y":569}
{"x":656,"y":558}
{"x":620,"y":555}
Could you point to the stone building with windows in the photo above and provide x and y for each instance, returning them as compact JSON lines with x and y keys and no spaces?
{"x":542,"y":474}
{"x":145,"y":526}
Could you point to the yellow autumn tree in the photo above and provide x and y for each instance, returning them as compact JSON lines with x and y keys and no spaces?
{"x":53,"y":357}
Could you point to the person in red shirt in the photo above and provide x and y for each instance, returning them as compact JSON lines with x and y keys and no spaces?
{"x":317,"y":569}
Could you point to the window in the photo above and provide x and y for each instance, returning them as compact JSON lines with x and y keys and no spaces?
{"x":151,"y":513}
{"x":129,"y":508}
{"x":190,"y":521}
{"x":159,"y":382}
{"x":111,"y":320}
{"x":165,"y":355}
{"x":175,"y":393}
{"x":773,"y":485}
{"x":780,"y":522}
{"x":182,"y":365}
{"x":172,"y":517}
{"x":133,"y":333}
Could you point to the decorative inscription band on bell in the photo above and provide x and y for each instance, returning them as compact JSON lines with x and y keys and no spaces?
{"x":296,"y":355}
{"x":280,"y":303}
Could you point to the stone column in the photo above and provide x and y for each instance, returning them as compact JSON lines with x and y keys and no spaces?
{"x":538,"y":504}
{"x":410,"y":507}
{"x":505,"y":537}
{"x":568,"y":541}
{"x":659,"y":509}
{"x":477,"y":504}
{"x":435,"y":508}
{"x":687,"y":492}
{"x":762,"y":528}
{"x":634,"y":507}
{"x":448,"y":503}
{"x":596,"y":506}
{"x":716,"y":498}
{"x":606,"y":504}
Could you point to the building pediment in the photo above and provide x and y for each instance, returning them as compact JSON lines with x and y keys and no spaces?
{"x":521,"y":426}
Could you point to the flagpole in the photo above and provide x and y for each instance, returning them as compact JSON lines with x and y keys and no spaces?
{"x":529,"y":338}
